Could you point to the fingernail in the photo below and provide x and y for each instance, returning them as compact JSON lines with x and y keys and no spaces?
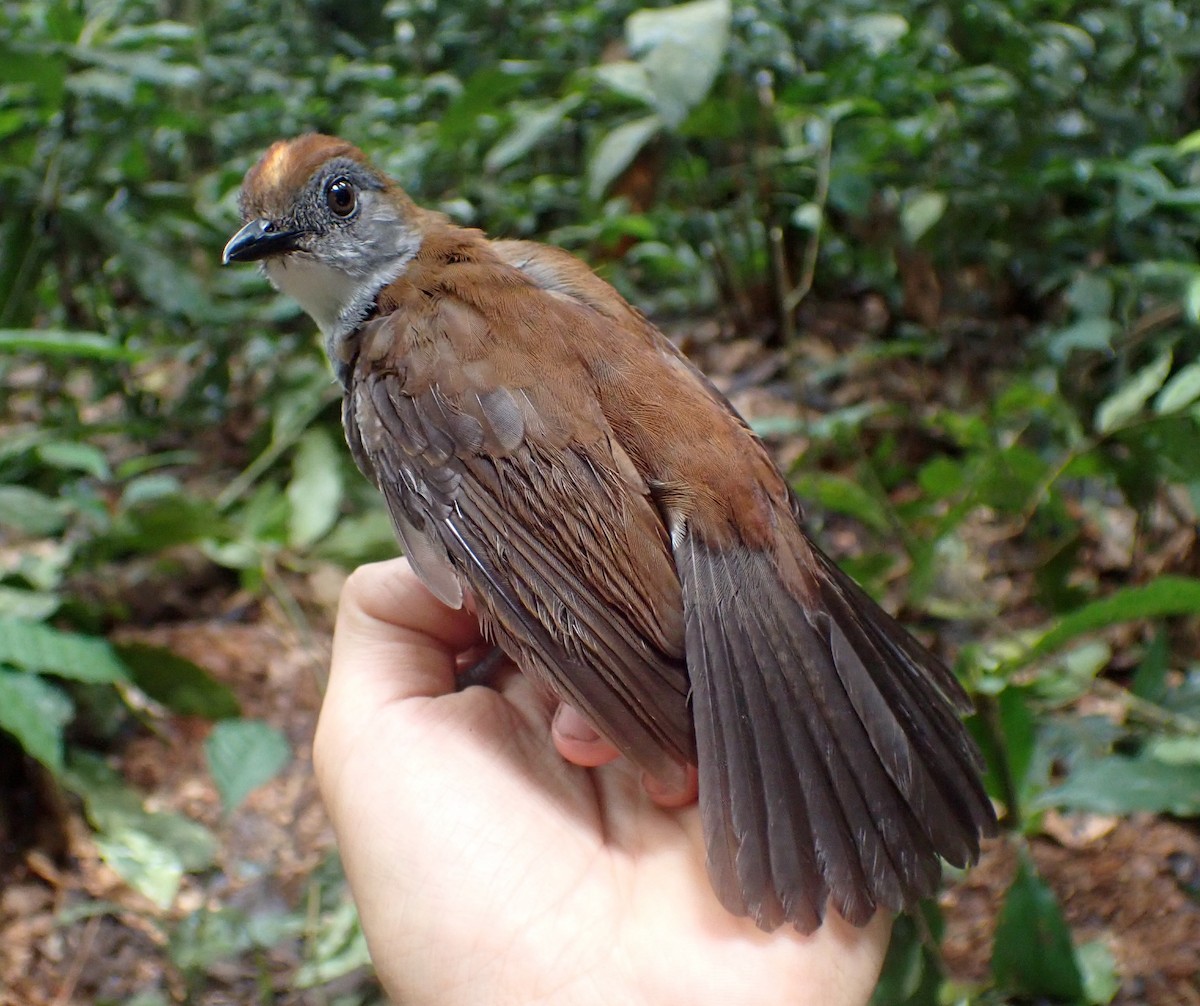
{"x":571,"y":725}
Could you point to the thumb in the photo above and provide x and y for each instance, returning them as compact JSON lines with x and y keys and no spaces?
{"x":393,"y":641}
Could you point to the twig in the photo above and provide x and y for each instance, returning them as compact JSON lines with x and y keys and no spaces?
{"x":66,"y":991}
{"x":792,"y":299}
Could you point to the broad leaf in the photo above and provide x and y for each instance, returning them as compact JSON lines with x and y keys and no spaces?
{"x":243,"y":755}
{"x":315,"y":492}
{"x":177,"y":683}
{"x":34,"y":712}
{"x":682,"y":49}
{"x":1032,"y":953}
{"x":617,"y":151}
{"x":1120,"y":784}
{"x":1180,"y":391}
{"x":1166,"y":596}
{"x":36,"y":647}
{"x":533,"y":126}
{"x":1125,"y":403}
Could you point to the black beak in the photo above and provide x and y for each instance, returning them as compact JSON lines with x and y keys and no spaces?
{"x":258,"y":240}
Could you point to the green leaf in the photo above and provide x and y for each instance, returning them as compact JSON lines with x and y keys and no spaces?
{"x":531,"y":129}
{"x":1182,"y":750}
{"x":617,"y":150}
{"x":57,"y":342}
{"x":682,"y":49}
{"x":27,"y":605}
{"x":878,"y":32}
{"x":1032,"y":954}
{"x":1091,"y":295}
{"x":36,"y":647}
{"x":843,"y":495}
{"x":921,"y":212}
{"x":31,"y":513}
{"x":243,"y":755}
{"x":1191,"y":300}
{"x":35,"y":712}
{"x":1124,"y":404}
{"x":1098,"y":969}
{"x":1087,"y":334}
{"x":315,"y":492}
{"x":628,"y":79}
{"x":1166,"y":596}
{"x":177,"y":683}
{"x":1120,"y":784}
{"x":910,"y":975}
{"x":73,"y":456}
{"x":149,"y":867}
{"x":338,"y":948}
{"x":212,"y":935}
{"x":151,"y":850}
{"x":1150,"y":679}
{"x":1180,"y":391}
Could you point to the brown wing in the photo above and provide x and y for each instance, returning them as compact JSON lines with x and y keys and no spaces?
{"x":833,"y":765}
{"x":527,"y":523}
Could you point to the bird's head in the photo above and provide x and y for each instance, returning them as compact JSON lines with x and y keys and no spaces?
{"x":330,"y":230}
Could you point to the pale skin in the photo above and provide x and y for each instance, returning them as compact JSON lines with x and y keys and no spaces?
{"x":501,"y":854}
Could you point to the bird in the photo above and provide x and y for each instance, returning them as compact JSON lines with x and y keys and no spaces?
{"x":627,"y":540}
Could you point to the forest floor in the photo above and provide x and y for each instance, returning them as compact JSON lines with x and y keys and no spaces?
{"x":72,"y":932}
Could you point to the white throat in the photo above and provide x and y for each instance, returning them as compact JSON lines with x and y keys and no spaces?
{"x":335,"y":300}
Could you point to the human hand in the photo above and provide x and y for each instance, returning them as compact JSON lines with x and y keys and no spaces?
{"x":488,"y":869}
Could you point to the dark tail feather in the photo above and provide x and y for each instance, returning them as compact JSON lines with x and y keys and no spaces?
{"x":833,"y":765}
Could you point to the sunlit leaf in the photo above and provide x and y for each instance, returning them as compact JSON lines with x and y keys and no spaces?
{"x":315,"y":492}
{"x":149,"y":867}
{"x":1125,"y":403}
{"x":1180,"y":391}
{"x":617,"y":151}
{"x":878,"y":32}
{"x":920,"y":213}
{"x":338,"y":948}
{"x":30,"y":512}
{"x":1098,"y":969}
{"x":682,"y":49}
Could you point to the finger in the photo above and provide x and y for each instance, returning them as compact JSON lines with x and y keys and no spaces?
{"x":676,"y":790}
{"x":393,"y":638}
{"x":577,"y":740}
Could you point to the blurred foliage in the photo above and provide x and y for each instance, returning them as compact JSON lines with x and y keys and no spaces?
{"x":1014,"y":178}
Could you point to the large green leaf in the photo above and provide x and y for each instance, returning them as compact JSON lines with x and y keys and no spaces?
{"x":177,"y":683}
{"x":682,"y":49}
{"x":1033,"y":953}
{"x":34,"y":712}
{"x":1164,"y":597}
{"x":36,"y":647}
{"x":151,"y":850}
{"x":1120,"y":784}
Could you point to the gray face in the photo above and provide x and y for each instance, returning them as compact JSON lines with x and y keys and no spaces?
{"x":335,"y":248}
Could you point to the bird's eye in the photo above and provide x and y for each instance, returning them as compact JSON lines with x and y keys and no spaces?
{"x":340,"y":197}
